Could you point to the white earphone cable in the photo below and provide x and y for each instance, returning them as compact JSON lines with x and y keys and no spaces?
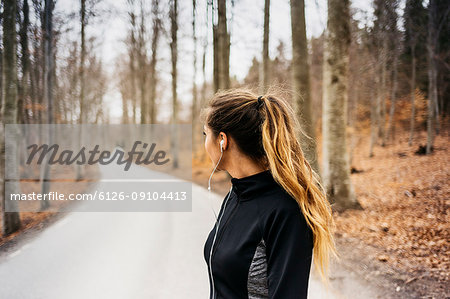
{"x":217,"y":219}
{"x":209,"y":181}
{"x":214,"y":241}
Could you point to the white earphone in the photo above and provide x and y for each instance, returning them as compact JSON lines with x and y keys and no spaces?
{"x":217,"y":220}
{"x":210,"y":177}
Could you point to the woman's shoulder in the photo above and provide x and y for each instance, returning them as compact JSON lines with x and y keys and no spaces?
{"x":278,"y":201}
{"x":282,"y":216}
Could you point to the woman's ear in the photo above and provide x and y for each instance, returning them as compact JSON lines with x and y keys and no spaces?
{"x":223,"y":140}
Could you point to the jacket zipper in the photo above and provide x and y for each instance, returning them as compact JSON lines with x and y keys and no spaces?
{"x":224,"y":226}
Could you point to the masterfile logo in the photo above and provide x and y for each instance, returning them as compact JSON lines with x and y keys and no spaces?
{"x":102,"y":168}
{"x":68,"y":157}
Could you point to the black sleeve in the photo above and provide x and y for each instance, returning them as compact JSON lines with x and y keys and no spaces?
{"x":289,"y":252}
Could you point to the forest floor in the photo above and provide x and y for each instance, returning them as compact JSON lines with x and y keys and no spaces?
{"x":399,"y":242}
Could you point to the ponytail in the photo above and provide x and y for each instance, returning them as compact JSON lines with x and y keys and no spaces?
{"x":293,"y":172}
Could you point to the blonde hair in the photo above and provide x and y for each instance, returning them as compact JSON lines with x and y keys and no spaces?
{"x":266,"y":130}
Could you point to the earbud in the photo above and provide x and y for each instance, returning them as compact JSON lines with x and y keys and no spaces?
{"x":210,"y":177}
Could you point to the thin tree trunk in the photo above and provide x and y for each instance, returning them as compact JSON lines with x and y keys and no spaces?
{"x":174,"y":56}
{"x":382,"y":118}
{"x":265,"y":54}
{"x":48,"y":92}
{"x":35,"y":76}
{"x":375,"y":100}
{"x":125,"y":119}
{"x":391,"y":124}
{"x":132,"y":56}
{"x":301,"y":84}
{"x":142,"y":67}
{"x":11,"y":219}
{"x":221,"y":49}
{"x":204,"y":85}
{"x":1,"y":84}
{"x":194,"y":84}
{"x":25,"y":100}
{"x":216,"y":57}
{"x":153,"y":77}
{"x":82,"y":63}
{"x":432,"y":75}
{"x":82,"y":117}
{"x":373,"y":122}
{"x":413,"y":94}
{"x":336,"y":168}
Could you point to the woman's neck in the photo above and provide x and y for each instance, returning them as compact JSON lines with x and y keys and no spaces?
{"x":243,"y":167}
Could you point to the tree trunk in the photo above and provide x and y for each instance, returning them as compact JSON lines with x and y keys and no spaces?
{"x":301,"y":84}
{"x":142,"y":67}
{"x":11,"y":220}
{"x":382,"y":115}
{"x":132,"y":55}
{"x":432,"y":74}
{"x":35,"y":76}
{"x":265,"y":54}
{"x":82,"y":62}
{"x":195,"y":123}
{"x":375,"y":101}
{"x":153,"y":77}
{"x":24,"y":105}
{"x":1,"y":85}
{"x":336,"y":168}
{"x":373,"y":122}
{"x":125,"y":119}
{"x":221,"y":49}
{"x":174,"y":58}
{"x":48,"y":93}
{"x":391,"y":123}
{"x":79,"y":169}
{"x":216,"y":57}
{"x":413,"y":94}
{"x":204,"y":83}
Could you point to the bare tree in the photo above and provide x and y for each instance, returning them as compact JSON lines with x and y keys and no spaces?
{"x":381,"y":41}
{"x":37,"y":67}
{"x":79,"y":169}
{"x":11,"y":220}
{"x":153,"y":78}
{"x":394,"y":36}
{"x":414,"y":55}
{"x":336,"y":168}
{"x":83,"y":17}
{"x":221,"y":42}
{"x":24,"y":103}
{"x":265,"y":53}
{"x":174,"y":58}
{"x":48,"y":91}
{"x":300,"y":82}
{"x":142,"y":64}
{"x":413,"y":95}
{"x":205,"y":48}
{"x":132,"y":48}
{"x":432,"y":74}
{"x":194,"y":83}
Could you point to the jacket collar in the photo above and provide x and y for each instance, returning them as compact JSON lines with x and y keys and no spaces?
{"x":251,"y":186}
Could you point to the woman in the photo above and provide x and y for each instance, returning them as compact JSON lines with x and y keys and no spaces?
{"x":276,"y":215}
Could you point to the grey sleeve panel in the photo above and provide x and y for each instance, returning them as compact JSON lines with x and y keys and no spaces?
{"x":257,"y":275}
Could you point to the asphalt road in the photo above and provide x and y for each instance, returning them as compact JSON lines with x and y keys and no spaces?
{"x":119,"y":255}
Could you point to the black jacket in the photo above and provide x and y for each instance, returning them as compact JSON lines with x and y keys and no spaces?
{"x":263,"y":247}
